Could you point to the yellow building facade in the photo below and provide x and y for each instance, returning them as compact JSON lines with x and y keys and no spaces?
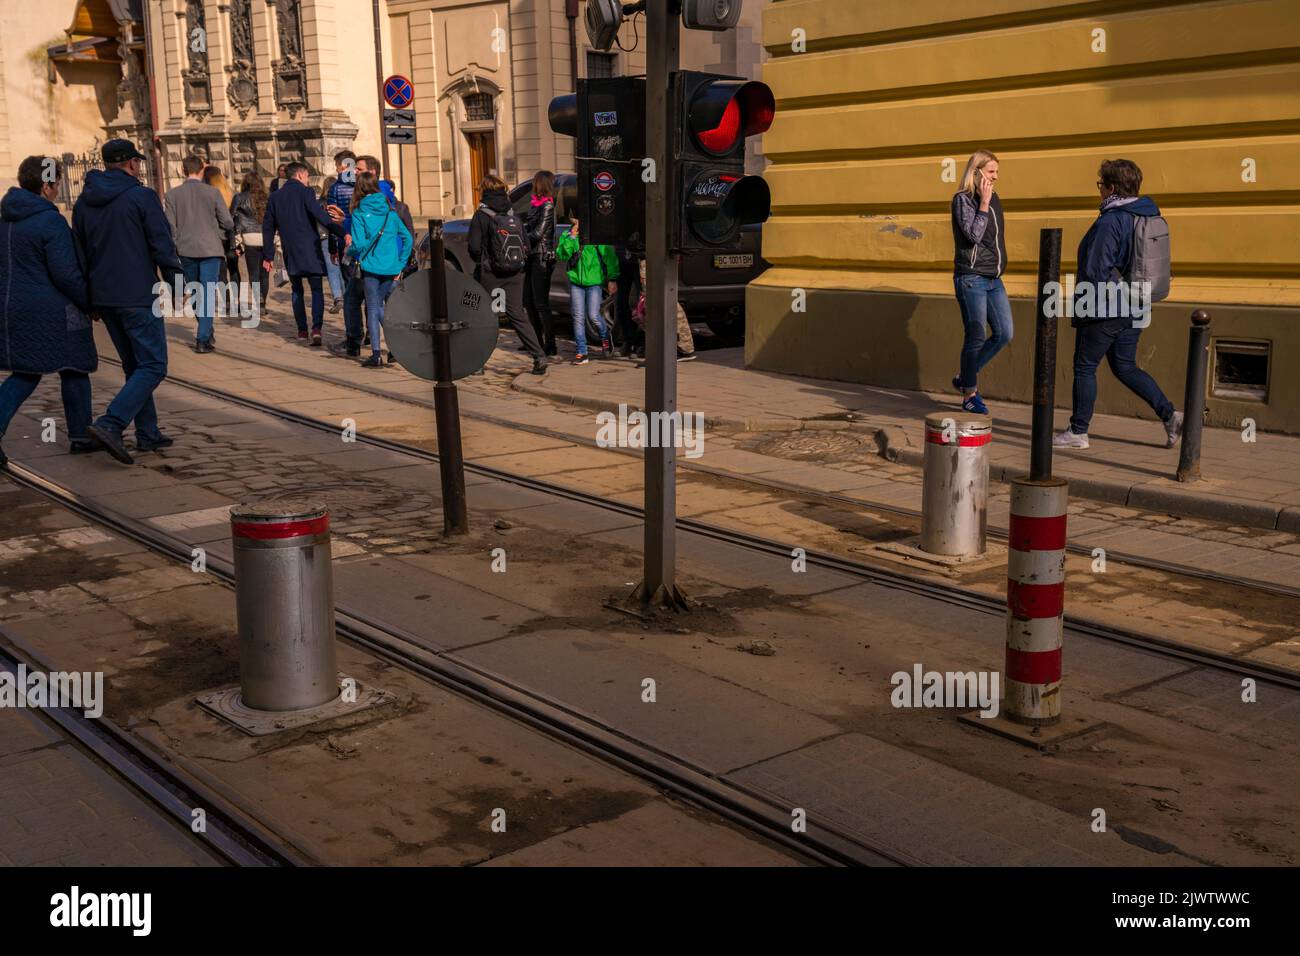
{"x":879,"y":105}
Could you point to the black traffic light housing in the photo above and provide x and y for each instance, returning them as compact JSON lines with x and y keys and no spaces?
{"x":606,"y":117}
{"x":713,"y":115}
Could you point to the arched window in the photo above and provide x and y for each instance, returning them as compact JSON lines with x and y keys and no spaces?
{"x":478,"y":107}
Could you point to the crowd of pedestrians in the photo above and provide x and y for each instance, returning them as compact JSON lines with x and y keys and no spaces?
{"x":124,"y":246}
{"x":355,"y":233}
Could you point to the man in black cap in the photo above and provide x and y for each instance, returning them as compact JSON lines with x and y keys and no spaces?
{"x":127,"y":241}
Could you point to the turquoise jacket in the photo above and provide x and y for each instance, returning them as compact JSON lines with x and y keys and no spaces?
{"x":386,"y":255}
{"x":589,"y":271}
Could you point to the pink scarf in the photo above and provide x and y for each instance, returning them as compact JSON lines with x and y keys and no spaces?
{"x":540,"y":200}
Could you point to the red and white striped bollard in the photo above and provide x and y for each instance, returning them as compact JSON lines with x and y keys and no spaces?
{"x":1035,"y":600}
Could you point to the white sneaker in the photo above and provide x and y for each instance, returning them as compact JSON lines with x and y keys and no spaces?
{"x":1173,"y":429}
{"x":1068,"y":439}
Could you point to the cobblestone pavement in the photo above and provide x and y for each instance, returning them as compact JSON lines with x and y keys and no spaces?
{"x":837,"y":462}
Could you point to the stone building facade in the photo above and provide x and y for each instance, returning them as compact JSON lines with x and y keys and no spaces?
{"x":256,"y":83}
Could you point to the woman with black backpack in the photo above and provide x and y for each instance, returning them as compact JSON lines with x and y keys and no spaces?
{"x":539,"y":220}
{"x":498,"y":244}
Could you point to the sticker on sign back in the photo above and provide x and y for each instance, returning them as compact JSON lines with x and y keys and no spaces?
{"x":604,"y":180}
{"x":606,"y":119}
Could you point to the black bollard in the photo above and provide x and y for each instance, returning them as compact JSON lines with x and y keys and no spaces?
{"x":446,"y":406}
{"x":1049,"y":272}
{"x":1198,"y":363}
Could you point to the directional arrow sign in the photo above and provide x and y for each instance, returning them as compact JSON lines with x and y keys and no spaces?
{"x":399,"y":117}
{"x":399,"y":134}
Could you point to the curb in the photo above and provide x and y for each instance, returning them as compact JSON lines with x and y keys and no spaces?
{"x":893,"y":445}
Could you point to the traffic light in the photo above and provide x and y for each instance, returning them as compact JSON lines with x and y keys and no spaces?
{"x":713,"y":115}
{"x":606,"y":117}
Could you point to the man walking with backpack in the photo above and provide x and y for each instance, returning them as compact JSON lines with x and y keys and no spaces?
{"x":1126,"y":248}
{"x":499,"y":247}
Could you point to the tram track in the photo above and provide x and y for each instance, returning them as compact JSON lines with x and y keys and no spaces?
{"x":869,"y":573}
{"x":245,"y":841}
{"x":228,"y":834}
{"x":807,"y":494}
{"x":821,"y":843}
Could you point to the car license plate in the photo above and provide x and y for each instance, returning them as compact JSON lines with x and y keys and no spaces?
{"x":733,"y":262}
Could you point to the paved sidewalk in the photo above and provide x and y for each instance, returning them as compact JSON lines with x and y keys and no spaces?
{"x":1248,"y":483}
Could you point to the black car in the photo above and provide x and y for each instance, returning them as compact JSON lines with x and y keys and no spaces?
{"x":712,"y":285}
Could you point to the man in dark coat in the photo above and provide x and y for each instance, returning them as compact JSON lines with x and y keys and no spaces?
{"x":126,"y":240}
{"x":295,"y":210}
{"x":43,"y":325}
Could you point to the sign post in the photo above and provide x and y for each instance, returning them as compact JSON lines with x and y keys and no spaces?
{"x":399,"y":122}
{"x":446,"y":406}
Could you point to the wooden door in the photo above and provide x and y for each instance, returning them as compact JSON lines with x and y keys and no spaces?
{"x":482,"y":159}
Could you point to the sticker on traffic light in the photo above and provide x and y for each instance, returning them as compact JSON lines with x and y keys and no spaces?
{"x":719,"y":203}
{"x":604,"y":181}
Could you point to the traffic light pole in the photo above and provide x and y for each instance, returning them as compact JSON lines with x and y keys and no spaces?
{"x":658,"y":584}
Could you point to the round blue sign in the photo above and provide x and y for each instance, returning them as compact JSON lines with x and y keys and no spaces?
{"x":398,"y":91}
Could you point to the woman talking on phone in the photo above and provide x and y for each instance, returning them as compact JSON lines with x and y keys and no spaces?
{"x":980,"y":258}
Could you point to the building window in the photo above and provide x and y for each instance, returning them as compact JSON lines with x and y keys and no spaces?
{"x":478,"y":106}
{"x":1241,"y":370}
{"x":601,"y":65}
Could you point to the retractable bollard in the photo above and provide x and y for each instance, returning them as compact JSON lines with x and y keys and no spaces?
{"x":954,"y":494}
{"x":1035,"y":600}
{"x":284,"y":595}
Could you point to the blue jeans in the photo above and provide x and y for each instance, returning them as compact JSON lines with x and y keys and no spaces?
{"x":206,"y":271}
{"x":983,"y":302}
{"x":332,"y":272}
{"x":141,"y":342}
{"x":317,"y":302}
{"x":353,"y":294}
{"x":1116,"y":340}
{"x":584,"y":303}
{"x":18,"y":387}
{"x":377,"y":290}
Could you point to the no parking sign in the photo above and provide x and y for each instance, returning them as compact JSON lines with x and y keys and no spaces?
{"x":398,"y":91}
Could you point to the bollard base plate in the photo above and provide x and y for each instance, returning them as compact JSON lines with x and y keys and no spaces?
{"x":227,"y":704}
{"x":908,"y":551}
{"x":1046,"y":738}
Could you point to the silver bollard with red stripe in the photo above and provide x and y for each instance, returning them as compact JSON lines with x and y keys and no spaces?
{"x":1035,"y":600}
{"x":284,"y":596}
{"x":954,"y":494}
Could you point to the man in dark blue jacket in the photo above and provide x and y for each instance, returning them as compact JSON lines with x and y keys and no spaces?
{"x":294,"y":210}
{"x":127,"y":242}
{"x":1108,"y":325}
{"x":43,"y":325}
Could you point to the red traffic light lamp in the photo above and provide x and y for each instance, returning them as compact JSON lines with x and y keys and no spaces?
{"x":722,"y":113}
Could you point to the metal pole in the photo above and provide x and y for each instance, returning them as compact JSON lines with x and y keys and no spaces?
{"x":658,"y":585}
{"x":446,"y":407}
{"x":1049,"y":272}
{"x":1198,"y":361}
{"x":379,"y":81}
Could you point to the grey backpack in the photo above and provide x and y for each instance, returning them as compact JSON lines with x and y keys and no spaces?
{"x":1150,"y":261}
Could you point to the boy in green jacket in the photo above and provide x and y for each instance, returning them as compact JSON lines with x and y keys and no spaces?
{"x":591,"y":270}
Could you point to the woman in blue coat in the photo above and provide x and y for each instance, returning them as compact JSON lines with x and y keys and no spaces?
{"x":43,"y":324}
{"x":381,"y":245}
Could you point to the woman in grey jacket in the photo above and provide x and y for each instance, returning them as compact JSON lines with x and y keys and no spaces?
{"x":978,"y":233}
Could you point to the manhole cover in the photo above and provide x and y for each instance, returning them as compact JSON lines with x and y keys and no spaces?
{"x":814,"y":445}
